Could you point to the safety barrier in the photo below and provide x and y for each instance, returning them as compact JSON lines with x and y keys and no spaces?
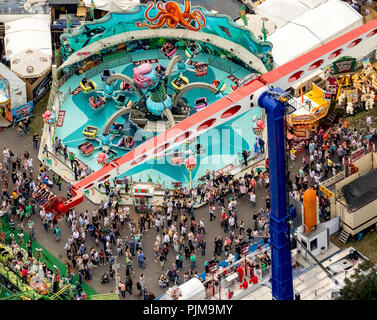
{"x":219,"y":65}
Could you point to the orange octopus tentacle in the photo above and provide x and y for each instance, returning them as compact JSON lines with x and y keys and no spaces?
{"x":160,"y":6}
{"x":159,"y":24}
{"x":172,"y":23}
{"x":187,"y":6}
{"x":197,"y":14}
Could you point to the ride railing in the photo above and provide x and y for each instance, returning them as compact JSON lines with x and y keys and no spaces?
{"x":108,"y":65}
{"x":220,"y":65}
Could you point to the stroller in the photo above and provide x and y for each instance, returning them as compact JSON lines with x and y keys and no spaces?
{"x":105,"y":278}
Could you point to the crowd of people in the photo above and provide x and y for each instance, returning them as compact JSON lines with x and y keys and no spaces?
{"x":109,"y":232}
{"x":327,"y":153}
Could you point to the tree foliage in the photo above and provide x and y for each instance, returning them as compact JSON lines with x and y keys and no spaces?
{"x":362,"y":285}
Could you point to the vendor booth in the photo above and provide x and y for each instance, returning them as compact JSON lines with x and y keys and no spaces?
{"x":12,"y":95}
{"x":142,"y":195}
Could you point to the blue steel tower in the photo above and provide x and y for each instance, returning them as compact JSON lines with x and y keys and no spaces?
{"x":281,"y":278}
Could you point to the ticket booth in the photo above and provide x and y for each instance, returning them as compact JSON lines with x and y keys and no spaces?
{"x":143,"y":195}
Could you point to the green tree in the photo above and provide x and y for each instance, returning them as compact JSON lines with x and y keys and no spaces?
{"x":362,"y":285}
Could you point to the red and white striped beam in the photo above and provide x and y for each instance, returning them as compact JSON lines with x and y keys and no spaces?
{"x":358,"y":42}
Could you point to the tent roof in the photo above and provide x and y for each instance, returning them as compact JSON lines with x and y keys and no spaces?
{"x":28,"y":33}
{"x":323,"y":22}
{"x":113,"y":5}
{"x":30,"y":63}
{"x":290,"y":42}
{"x":281,"y":11}
{"x":312,"y":3}
{"x":312,"y":29}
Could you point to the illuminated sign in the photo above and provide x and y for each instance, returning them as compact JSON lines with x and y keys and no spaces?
{"x":344,"y":64}
{"x":170,"y":14}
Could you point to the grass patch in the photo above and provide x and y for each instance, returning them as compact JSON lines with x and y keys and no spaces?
{"x":37,"y":123}
{"x":47,"y":257}
{"x":357,"y":121}
{"x":367,"y":246}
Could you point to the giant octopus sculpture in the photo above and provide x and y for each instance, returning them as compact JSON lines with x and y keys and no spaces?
{"x":171,"y":15}
{"x":140,"y":78}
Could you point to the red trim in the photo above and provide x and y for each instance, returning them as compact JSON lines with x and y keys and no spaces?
{"x":235,"y":97}
{"x":315,"y":54}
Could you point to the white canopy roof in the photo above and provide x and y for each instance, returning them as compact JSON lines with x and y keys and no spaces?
{"x":312,"y":29}
{"x":281,"y":11}
{"x":30,"y":63}
{"x":17,"y":86}
{"x":309,"y":3}
{"x":32,"y":32}
{"x":113,"y":5}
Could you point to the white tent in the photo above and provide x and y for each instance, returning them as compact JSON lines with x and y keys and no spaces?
{"x":113,"y":5}
{"x":17,"y":86}
{"x":28,"y":33}
{"x":312,"y":29}
{"x":30,"y":63}
{"x":281,"y":11}
{"x":330,"y":20}
{"x":312,"y":3}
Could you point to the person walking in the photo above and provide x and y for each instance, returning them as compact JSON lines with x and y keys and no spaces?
{"x":35,"y":140}
{"x":59,"y":183}
{"x":193,"y":260}
{"x":129,"y":284}
{"x":122,"y":289}
{"x":141,"y":259}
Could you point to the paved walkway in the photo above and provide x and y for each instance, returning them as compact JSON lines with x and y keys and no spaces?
{"x":20,"y":144}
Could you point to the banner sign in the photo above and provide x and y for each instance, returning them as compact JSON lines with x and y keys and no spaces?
{"x":138,"y":63}
{"x":233,"y":78}
{"x":21,"y":112}
{"x":77,"y":90}
{"x":60,"y":118}
{"x":41,"y":89}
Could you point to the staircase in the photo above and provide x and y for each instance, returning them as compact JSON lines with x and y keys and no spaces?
{"x":331,"y":116}
{"x":343,"y":237}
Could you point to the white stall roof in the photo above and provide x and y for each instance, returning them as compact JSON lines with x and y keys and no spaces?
{"x":113,"y":5}
{"x":291,"y":41}
{"x":28,"y":33}
{"x":331,"y":20}
{"x":312,"y":29}
{"x":312,"y":3}
{"x":281,"y":11}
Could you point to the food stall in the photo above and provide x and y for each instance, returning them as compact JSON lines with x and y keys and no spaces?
{"x":142,"y":197}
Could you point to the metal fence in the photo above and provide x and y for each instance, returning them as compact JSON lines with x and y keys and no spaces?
{"x":108,"y":65}
{"x":214,"y":291}
{"x":219,"y":65}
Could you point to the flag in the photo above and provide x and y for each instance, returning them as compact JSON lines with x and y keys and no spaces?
{"x":264,"y":31}
{"x":69,"y":24}
{"x":243,"y":15}
{"x":56,"y":51}
{"x":92,"y":8}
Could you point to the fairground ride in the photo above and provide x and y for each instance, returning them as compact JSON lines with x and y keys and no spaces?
{"x":269,"y":92}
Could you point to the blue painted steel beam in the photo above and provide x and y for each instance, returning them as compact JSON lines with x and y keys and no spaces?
{"x":281,"y":278}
